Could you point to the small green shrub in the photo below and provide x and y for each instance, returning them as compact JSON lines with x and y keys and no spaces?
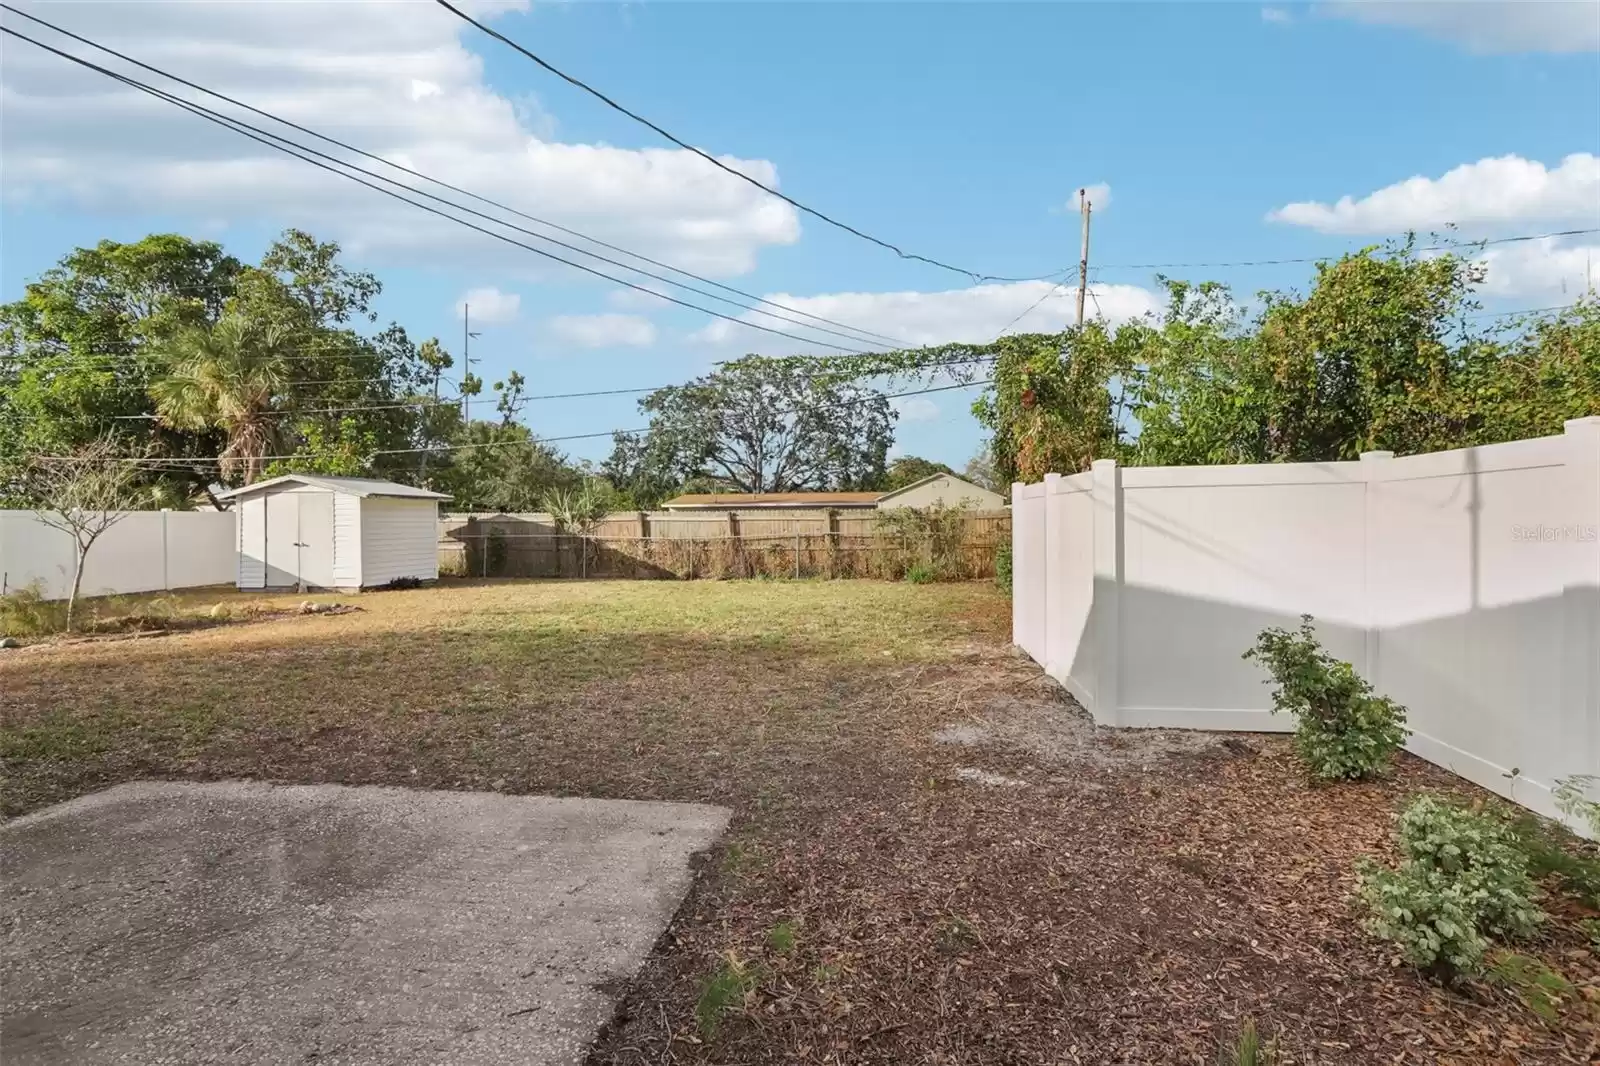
{"x":1479,"y":852}
{"x":1002,"y":567}
{"x":1428,"y":916}
{"x":921,"y":574}
{"x":1462,"y":880}
{"x":729,"y":988}
{"x":1246,"y":1049}
{"x":1342,"y":730}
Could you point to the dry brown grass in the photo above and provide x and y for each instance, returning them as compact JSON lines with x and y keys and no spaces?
{"x":600,"y":688}
{"x":1131,"y":904}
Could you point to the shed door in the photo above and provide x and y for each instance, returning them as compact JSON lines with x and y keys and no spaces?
{"x":283,"y":539}
{"x":316,"y":538}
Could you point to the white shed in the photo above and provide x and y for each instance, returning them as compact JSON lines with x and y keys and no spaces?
{"x":334,"y":532}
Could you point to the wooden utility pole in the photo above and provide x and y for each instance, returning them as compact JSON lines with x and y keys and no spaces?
{"x":1084,"y":208}
{"x":466,"y":360}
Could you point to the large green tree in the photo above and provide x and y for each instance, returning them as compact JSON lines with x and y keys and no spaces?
{"x":765,"y":425}
{"x":231,"y":377}
{"x":905,"y":469}
{"x":79,"y":352}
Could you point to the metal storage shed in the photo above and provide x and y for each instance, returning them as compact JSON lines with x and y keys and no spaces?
{"x":334,"y":532}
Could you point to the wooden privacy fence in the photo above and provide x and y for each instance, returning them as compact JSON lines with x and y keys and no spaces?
{"x":662,"y":544}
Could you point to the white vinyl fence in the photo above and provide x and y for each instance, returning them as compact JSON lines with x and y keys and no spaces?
{"x":145,"y":551}
{"x":1464,"y":584}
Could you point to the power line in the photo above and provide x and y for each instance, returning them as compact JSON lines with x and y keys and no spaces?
{"x":769,"y":190}
{"x":240,"y":126}
{"x":865,"y":333}
{"x":531,"y":440}
{"x":268,"y":139}
{"x":1443,"y":247}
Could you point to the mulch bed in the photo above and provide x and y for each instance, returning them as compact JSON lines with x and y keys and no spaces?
{"x":1133,"y":903}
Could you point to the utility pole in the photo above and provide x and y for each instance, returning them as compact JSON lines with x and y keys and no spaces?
{"x":466,"y":360}
{"x":1084,"y":208}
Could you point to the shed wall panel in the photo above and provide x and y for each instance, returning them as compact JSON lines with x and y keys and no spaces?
{"x":399,"y":538}
{"x":346,"y":541}
{"x":253,"y":543}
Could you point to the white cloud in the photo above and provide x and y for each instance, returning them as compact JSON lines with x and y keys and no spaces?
{"x":973,"y":314}
{"x":489,"y":305}
{"x":1498,"y":190}
{"x":1540,"y":272}
{"x":391,"y":77}
{"x":1099,"y":198}
{"x":1487,"y":26}
{"x":602,"y":331}
{"x":636,"y":300}
{"x":916,"y":409}
{"x":1276,"y":15}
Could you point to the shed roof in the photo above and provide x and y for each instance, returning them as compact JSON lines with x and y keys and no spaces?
{"x":351,"y":486}
{"x":732,"y":501}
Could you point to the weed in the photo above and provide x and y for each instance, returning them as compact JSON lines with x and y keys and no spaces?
{"x":728,"y":988}
{"x":782,"y":937}
{"x":741,"y":859}
{"x":24,"y":612}
{"x":826,"y":972}
{"x":1541,"y":989}
{"x":921,"y":574}
{"x":1002,"y":567}
{"x":955,"y":935}
{"x":1555,"y":854}
{"x":1246,"y":1049}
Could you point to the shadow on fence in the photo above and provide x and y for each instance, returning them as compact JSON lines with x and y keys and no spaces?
{"x":529,"y":546}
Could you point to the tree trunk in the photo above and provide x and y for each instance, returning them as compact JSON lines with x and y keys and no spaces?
{"x":77,"y":579}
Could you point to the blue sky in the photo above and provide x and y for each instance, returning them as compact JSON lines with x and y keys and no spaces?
{"x":1218,"y":132}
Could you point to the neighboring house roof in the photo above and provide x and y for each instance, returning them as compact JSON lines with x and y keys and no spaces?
{"x":921,"y":481}
{"x":353,"y":486}
{"x":732,"y":501}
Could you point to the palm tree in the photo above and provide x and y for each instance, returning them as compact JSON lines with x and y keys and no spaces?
{"x":227,"y":377}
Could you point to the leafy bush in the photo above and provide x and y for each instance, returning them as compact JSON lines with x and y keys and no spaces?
{"x":921,"y":574}
{"x":1478,"y":852}
{"x":1342,"y":730}
{"x":1572,"y":799}
{"x":1428,"y":916}
{"x":1002,"y":567}
{"x":933,"y":538}
{"x":1461,"y":880}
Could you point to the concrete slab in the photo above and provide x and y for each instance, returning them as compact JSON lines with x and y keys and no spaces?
{"x":248,"y":923}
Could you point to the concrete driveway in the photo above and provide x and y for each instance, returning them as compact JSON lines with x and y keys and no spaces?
{"x":248,"y":923}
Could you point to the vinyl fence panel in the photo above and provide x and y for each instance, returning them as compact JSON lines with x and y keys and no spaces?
{"x":1465,"y":584}
{"x":145,"y":551}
